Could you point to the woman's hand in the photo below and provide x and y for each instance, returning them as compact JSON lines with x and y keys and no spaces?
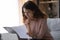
{"x":31,"y":35}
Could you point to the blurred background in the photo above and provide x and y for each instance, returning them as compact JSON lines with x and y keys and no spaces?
{"x":11,"y":11}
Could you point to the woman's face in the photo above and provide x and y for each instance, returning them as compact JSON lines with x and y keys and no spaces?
{"x":28,"y":13}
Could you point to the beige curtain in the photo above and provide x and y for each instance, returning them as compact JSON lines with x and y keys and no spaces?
{"x":20,"y":3}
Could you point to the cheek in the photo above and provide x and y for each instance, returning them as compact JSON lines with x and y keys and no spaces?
{"x":26,"y":14}
{"x":31,"y":14}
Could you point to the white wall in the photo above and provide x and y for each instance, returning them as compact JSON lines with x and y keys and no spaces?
{"x":9,"y":14}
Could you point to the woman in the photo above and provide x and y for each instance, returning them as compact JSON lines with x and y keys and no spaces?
{"x":35,"y":21}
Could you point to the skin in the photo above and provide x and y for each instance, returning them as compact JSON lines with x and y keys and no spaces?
{"x":28,"y":13}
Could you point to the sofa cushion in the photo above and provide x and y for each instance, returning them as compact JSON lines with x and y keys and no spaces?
{"x":9,"y":36}
{"x":0,"y":36}
{"x":53,"y":24}
{"x":55,"y":35}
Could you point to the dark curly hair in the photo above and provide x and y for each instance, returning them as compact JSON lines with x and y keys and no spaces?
{"x":32,"y":6}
